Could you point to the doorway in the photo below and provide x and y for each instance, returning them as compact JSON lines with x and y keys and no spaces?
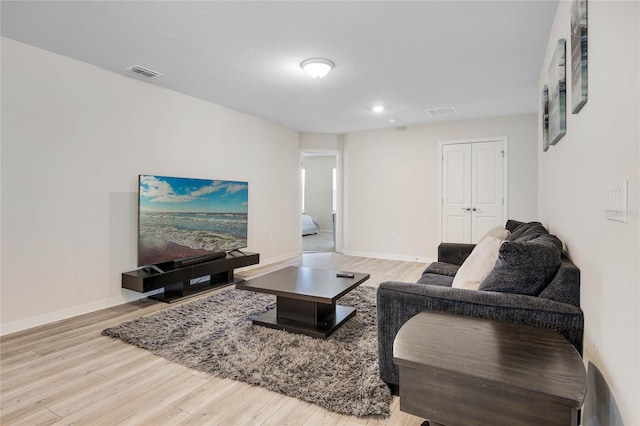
{"x":319,"y":182}
{"x":473,"y":188}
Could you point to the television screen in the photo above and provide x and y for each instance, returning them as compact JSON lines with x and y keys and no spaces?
{"x":182,"y":218}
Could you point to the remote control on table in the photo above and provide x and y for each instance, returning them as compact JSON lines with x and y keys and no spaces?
{"x":344,"y":275}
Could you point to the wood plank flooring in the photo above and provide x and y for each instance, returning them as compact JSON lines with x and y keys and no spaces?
{"x":68,"y":373}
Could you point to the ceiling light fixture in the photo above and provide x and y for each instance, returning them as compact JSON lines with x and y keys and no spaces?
{"x":317,"y":67}
{"x":378,"y":108}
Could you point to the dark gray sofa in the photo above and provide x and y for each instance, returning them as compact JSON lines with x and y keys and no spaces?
{"x":531,"y":283}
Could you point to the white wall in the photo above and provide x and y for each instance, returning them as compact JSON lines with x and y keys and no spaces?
{"x":320,"y":142}
{"x":391,"y":181}
{"x":319,"y":189}
{"x":74,"y":139}
{"x":601,"y":143}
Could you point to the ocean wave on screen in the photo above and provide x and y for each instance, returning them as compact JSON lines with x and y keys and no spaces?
{"x":197,"y":231}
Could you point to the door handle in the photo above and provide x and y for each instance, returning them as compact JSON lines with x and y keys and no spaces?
{"x":476,"y":210}
{"x":466,"y":209}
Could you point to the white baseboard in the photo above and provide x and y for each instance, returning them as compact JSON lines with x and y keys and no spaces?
{"x":390,"y":256}
{"x":126,"y":297}
{"x":130,"y":296}
{"x":51,"y":317}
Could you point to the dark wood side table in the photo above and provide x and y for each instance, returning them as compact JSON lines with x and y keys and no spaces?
{"x":458,"y":370}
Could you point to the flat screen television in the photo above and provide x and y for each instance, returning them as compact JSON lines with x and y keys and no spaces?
{"x":184,"y":218}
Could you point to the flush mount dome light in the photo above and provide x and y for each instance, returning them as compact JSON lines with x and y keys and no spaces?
{"x":316,"y":67}
{"x":378,"y":108}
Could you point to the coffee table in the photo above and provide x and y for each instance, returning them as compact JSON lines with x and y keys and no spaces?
{"x":305,"y":299}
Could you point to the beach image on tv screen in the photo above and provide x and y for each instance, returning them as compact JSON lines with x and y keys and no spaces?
{"x":182,"y":217}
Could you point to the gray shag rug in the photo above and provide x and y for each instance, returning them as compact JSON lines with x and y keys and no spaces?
{"x":215,"y":335}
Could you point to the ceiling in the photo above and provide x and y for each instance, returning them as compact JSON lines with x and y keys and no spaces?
{"x":481,"y":57}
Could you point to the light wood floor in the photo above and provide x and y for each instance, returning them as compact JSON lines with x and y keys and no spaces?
{"x":68,"y":373}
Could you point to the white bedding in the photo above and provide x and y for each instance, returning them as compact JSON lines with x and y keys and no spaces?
{"x":309,"y":225}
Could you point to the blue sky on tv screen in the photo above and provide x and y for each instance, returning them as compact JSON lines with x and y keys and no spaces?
{"x":171,"y":194}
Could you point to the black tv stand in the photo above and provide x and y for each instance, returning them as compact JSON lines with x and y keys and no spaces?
{"x":240,"y":252}
{"x":176,"y":280}
{"x":151,"y":268}
{"x":199,"y":259}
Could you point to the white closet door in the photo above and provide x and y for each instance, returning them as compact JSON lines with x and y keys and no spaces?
{"x":456,"y":193}
{"x":472,"y":190}
{"x":486,"y":184}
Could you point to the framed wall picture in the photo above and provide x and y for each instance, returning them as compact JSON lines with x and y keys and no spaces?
{"x":558,"y":94}
{"x":578,"y":55}
{"x":545,"y":118}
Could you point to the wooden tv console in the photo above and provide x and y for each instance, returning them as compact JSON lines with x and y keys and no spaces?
{"x":177,"y":281}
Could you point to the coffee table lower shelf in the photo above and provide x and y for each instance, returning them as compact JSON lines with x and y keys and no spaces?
{"x":320,"y":328}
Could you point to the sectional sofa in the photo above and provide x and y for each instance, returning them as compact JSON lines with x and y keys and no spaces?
{"x":526,"y":278}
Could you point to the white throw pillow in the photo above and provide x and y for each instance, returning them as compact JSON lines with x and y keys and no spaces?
{"x":499,"y":232}
{"x":478,"y":265}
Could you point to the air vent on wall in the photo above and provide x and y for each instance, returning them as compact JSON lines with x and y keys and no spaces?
{"x":441,"y":112}
{"x":146,"y":72}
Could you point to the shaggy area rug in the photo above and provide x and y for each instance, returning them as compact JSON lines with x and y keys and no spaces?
{"x":216,"y":335}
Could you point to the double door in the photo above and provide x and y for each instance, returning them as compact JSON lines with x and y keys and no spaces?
{"x":473,"y":194}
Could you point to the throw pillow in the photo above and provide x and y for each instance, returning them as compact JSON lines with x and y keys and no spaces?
{"x":512,"y":225}
{"x":499,"y":232}
{"x":524,"y":267}
{"x":527,"y":232}
{"x":478,"y":265}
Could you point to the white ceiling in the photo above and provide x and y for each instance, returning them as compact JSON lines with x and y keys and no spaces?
{"x":481,"y":57}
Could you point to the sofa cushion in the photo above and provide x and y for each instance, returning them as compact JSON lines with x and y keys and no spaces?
{"x":565,"y":286}
{"x":524,"y":267}
{"x":499,"y":232}
{"x":435,"y":279}
{"x":478,"y":265}
{"x":442,"y":268}
{"x":454,"y":253}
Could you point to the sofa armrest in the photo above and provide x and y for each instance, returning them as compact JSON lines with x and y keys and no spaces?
{"x":454,"y":253}
{"x":397,"y":302}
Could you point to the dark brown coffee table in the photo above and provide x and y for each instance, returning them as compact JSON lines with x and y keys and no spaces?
{"x":305,"y":299}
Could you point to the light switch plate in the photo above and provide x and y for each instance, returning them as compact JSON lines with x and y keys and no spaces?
{"x":617,"y":200}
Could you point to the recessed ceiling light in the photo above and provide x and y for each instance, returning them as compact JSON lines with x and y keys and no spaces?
{"x":378,"y":108}
{"x":392,"y":120}
{"x":317,"y":67}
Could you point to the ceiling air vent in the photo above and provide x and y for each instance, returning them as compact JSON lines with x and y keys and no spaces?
{"x":442,"y":112}
{"x":146,"y":72}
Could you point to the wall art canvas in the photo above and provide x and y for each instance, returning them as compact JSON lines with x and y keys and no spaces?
{"x":545,"y":118}
{"x":558,"y":94}
{"x":578,"y":55}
